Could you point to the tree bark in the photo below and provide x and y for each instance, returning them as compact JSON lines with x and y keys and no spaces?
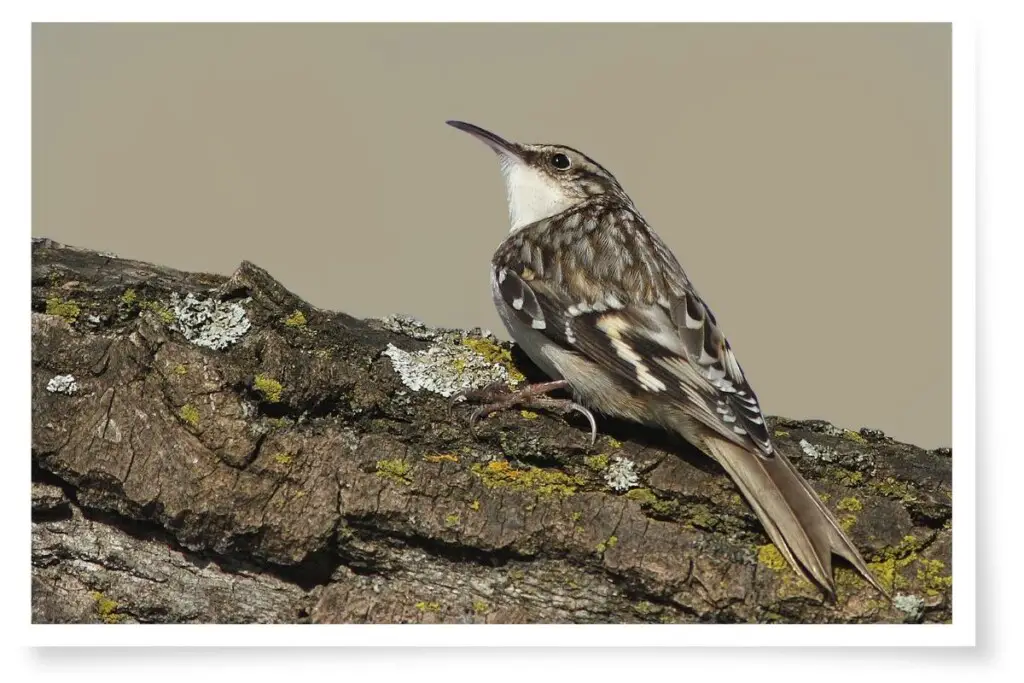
{"x":215,"y":449}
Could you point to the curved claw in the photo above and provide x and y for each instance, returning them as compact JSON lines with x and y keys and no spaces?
{"x":590,"y":418}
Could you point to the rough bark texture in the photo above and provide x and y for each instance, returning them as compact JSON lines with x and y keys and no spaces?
{"x":238,"y":455}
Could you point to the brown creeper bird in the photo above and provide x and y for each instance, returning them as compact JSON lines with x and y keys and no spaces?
{"x":598,"y":301}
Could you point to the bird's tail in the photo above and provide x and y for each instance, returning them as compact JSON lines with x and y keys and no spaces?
{"x":802,"y":528}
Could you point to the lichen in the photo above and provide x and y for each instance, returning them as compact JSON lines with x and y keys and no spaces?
{"x":850,"y":504}
{"x":107,"y":609}
{"x":645,"y":608}
{"x":930,"y":574}
{"x":452,"y":519}
{"x":911,"y":605}
{"x":495,"y":354}
{"x":823,"y":453}
{"x":424,"y":606}
{"x":501,"y":475}
{"x":598,"y":463}
{"x":528,"y":414}
{"x":605,"y":545}
{"x":283,"y":458}
{"x":190,"y":414}
{"x":769,"y":556}
{"x":449,"y":366}
{"x":210,"y":323}
{"x":296,"y":319}
{"x":440,"y":457}
{"x":642,"y":496}
{"x":69,"y":310}
{"x":62,"y":384}
{"x":853,"y":436}
{"x":269,"y":387}
{"x":613,"y":442}
{"x":129,"y":297}
{"x":649,"y":500}
{"x":165,"y":314}
{"x":845,"y":476}
{"x":779,"y":434}
{"x":893,"y":488}
{"x":395,"y":469}
{"x":480,"y":607}
{"x":475,"y":505}
{"x":180,"y":369}
{"x":621,"y":474}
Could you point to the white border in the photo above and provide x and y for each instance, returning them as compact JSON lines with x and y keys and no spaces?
{"x":961,"y":632}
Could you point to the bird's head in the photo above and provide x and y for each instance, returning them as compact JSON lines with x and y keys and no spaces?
{"x":542,"y":180}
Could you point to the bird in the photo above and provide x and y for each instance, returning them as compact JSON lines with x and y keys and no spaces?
{"x":600,"y":304}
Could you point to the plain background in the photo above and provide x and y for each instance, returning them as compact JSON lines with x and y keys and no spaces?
{"x":801,"y":173}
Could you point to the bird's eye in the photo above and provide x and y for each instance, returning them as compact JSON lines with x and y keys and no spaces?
{"x":560,"y":161}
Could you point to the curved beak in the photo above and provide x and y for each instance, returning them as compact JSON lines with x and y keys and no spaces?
{"x":495,"y":142}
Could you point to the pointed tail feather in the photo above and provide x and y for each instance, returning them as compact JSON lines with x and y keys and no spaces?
{"x":798,"y":523}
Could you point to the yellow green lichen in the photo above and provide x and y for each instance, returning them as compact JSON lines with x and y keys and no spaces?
{"x":396,"y":470}
{"x":283,"y":458}
{"x":190,"y":414}
{"x":452,"y":519}
{"x":642,"y":496}
{"x":440,"y":457}
{"x":424,"y":606}
{"x":480,"y":607}
{"x":129,"y":297}
{"x":180,"y":369}
{"x":597,"y":463}
{"x":576,"y":516}
{"x":846,"y":477}
{"x":529,"y":414}
{"x":850,"y":504}
{"x":276,"y":423}
{"x":605,"y":545}
{"x":853,"y":436}
{"x":501,"y":475}
{"x":779,"y":434}
{"x":648,"y":499}
{"x":68,"y":310}
{"x":475,"y":505}
{"x":846,"y":522}
{"x":824,"y":497}
{"x":645,"y":608}
{"x":769,"y":556}
{"x":296,"y":319}
{"x":494,"y":354}
{"x":614,"y":443}
{"x":893,"y":488}
{"x":269,"y":387}
{"x":165,"y":314}
{"x":929,"y":573}
{"x":107,"y":609}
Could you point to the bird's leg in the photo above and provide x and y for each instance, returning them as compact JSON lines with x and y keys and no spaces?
{"x":498,"y":396}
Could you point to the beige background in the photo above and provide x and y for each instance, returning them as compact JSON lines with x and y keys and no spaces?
{"x":800,"y":172}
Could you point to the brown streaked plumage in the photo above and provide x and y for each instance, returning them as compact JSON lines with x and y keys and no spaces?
{"x":600,"y":303}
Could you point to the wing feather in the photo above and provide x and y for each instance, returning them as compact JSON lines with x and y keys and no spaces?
{"x":632,"y":311}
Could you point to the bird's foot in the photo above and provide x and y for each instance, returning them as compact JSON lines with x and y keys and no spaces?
{"x":498,"y":397}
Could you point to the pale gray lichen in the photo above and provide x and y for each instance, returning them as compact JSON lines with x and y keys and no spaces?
{"x":911,"y":605}
{"x":62,"y":384}
{"x":445,"y":368}
{"x":621,"y":474}
{"x":209,"y":322}
{"x":823,"y":453}
{"x":401,"y":323}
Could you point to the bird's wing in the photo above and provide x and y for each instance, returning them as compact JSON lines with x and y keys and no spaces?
{"x":599,"y":282}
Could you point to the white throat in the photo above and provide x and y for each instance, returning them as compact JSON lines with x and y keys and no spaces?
{"x":532,"y":196}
